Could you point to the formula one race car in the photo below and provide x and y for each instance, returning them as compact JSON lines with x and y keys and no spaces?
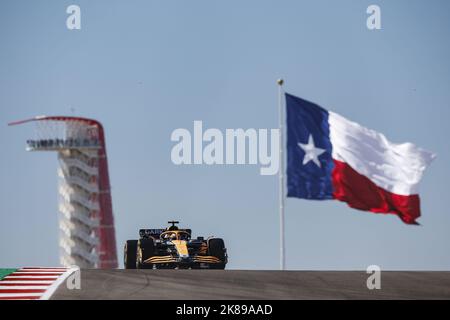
{"x":173,"y":248}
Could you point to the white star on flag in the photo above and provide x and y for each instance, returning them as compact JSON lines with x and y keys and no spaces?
{"x":311,"y":152}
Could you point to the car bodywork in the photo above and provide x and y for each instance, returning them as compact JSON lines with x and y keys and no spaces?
{"x":172,"y":248}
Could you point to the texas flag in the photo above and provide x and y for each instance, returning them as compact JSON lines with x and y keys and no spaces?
{"x":331,"y":157}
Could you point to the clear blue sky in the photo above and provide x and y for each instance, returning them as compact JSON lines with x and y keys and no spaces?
{"x":145,"y":68}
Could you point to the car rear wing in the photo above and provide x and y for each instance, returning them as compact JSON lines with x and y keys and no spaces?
{"x":155,"y":233}
{"x":147,"y":233}
{"x":188,"y":231}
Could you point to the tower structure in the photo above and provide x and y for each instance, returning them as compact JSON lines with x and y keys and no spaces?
{"x":86,"y":222}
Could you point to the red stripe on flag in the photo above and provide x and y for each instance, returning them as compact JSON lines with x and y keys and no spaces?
{"x":361,"y":193}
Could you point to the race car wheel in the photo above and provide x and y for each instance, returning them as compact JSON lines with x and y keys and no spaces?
{"x":145,"y":250}
{"x":129,"y":254}
{"x":216,"y":248}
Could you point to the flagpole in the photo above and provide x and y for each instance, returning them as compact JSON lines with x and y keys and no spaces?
{"x":280,"y":83}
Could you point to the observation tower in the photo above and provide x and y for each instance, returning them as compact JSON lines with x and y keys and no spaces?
{"x":86,"y":222}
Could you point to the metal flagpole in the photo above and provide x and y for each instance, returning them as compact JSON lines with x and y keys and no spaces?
{"x":281,"y":173}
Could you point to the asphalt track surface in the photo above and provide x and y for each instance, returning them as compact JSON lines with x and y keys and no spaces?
{"x":242,"y":284}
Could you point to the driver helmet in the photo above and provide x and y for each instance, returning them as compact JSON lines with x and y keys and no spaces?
{"x":165,"y":236}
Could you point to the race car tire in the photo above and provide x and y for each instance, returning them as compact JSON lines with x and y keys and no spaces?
{"x":129,"y":254}
{"x":147,"y":249}
{"x":216,"y":248}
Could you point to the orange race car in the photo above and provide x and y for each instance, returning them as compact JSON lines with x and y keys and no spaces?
{"x":173,"y":248}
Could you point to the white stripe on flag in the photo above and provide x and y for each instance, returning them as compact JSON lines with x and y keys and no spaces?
{"x":394,"y":167}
